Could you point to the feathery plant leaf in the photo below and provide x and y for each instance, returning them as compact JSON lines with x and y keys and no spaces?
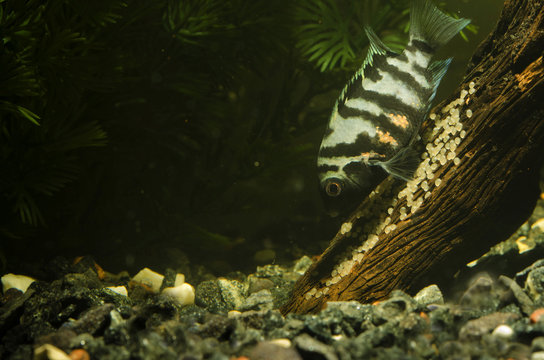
{"x":329,"y":32}
{"x":324,"y":33}
{"x":44,"y":48}
{"x":191,"y":19}
{"x":27,"y":209}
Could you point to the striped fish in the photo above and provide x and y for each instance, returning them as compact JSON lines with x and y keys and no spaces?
{"x":378,"y":115}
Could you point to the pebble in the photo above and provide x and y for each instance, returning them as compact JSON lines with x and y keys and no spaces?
{"x":429,"y":295}
{"x":182,"y":295}
{"x":313,"y":349}
{"x":269,"y":350}
{"x":503,"y":331}
{"x":121,"y":290}
{"x":490,"y":321}
{"x":19,"y":282}
{"x":180,"y":279}
{"x":79,"y":354}
{"x":149,"y":278}
{"x":49,"y":352}
{"x":475,"y":329}
{"x":537,"y":316}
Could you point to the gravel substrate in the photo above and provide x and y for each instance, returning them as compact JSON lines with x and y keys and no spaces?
{"x":83,"y":312}
{"x":76,"y":316}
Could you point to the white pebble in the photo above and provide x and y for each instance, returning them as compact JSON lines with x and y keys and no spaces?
{"x":432,"y":116}
{"x":456,"y":161}
{"x":149,"y":278}
{"x":19,"y":282}
{"x":437,"y":182}
{"x":471,"y":91}
{"x":183,"y":295}
{"x":503,"y":331}
{"x":469,"y":113}
{"x":121,"y":290}
{"x":471,"y":85}
{"x":537,"y":355}
{"x":233,"y":314}
{"x":462,"y":134}
{"x":50,"y":352}
{"x":281,"y":342}
{"x":180,"y":279}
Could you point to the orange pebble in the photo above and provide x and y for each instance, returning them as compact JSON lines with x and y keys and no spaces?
{"x":99,"y":271}
{"x":424,"y":316}
{"x":79,"y":354}
{"x":536,"y":316}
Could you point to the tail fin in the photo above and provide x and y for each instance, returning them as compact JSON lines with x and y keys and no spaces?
{"x":431,"y":25}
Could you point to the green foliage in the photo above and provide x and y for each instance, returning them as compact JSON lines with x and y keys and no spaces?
{"x":330,"y":32}
{"x":41,"y":125}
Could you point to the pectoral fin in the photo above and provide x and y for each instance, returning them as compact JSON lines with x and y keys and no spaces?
{"x":403,"y":165}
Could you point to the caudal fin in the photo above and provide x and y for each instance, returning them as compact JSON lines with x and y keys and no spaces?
{"x":431,"y":25}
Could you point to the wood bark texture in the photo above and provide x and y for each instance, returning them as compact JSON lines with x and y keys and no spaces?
{"x":481,"y":200}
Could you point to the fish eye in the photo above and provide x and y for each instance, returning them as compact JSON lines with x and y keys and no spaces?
{"x":333,"y":188}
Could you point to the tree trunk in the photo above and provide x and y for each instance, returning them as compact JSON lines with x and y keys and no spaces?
{"x":464,"y":199}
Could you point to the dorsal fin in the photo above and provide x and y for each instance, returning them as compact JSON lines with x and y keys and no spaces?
{"x":375,"y":47}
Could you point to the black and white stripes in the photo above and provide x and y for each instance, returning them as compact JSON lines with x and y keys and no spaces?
{"x":380,"y":111}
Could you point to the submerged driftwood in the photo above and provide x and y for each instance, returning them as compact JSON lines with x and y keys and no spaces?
{"x":485,"y":190}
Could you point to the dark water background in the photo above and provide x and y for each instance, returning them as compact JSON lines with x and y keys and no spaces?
{"x":231,"y":192}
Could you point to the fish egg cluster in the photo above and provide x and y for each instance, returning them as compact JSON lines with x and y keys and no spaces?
{"x":376,"y":204}
{"x":448,"y":134}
